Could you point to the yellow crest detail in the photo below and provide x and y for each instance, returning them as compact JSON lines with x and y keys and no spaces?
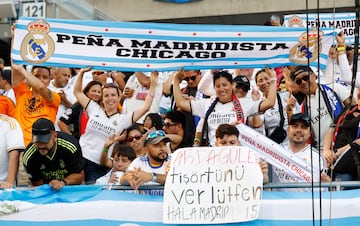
{"x":307,"y":47}
{"x":295,"y":21}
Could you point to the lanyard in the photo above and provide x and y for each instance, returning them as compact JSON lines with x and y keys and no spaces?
{"x":238,"y":109}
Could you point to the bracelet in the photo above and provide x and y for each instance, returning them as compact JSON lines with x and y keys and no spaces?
{"x":341,"y":48}
{"x":152,"y":96}
{"x":105,"y":150}
{"x":154,"y":177}
{"x":197,"y":140}
{"x":64,"y":181}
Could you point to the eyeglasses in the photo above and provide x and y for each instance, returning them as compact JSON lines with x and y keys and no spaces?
{"x":305,"y":79}
{"x":192,"y":78}
{"x":136,"y":137}
{"x":155,"y":134}
{"x":168,"y":124}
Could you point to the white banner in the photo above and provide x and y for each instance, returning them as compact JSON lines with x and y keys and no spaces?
{"x":343,"y":21}
{"x":276,"y":155}
{"x":130,"y":46}
{"x":212,"y":185}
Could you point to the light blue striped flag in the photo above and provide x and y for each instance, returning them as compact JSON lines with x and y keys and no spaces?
{"x":130,"y":46}
{"x":89,"y":205}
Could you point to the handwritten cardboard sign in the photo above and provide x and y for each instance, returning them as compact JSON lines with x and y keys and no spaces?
{"x":211,"y":185}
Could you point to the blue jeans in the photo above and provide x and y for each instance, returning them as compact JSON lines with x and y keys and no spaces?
{"x":343,"y":176}
{"x":93,"y":171}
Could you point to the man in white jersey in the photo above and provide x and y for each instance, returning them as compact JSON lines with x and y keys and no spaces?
{"x":299,"y":135}
{"x":149,"y":169}
{"x":322,"y":103}
{"x":60,"y":84}
{"x":11,"y":143}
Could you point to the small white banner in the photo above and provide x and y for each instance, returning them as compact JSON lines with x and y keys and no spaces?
{"x":212,"y":185}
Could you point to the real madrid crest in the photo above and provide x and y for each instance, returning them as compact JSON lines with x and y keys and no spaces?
{"x":295,"y":21}
{"x":37,"y":46}
{"x":307,"y":48}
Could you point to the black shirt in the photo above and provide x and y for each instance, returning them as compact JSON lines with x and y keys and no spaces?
{"x":65,"y":159}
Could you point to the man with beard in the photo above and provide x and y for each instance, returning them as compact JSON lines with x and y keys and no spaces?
{"x":149,"y":169}
{"x":299,"y":135}
{"x":53,"y":158}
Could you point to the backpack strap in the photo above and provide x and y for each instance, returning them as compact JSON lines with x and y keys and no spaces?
{"x":205,"y":129}
{"x":282,"y":118}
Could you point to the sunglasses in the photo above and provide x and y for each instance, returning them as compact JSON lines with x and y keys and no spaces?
{"x":155,"y":134}
{"x":168,"y":124}
{"x":305,"y":79}
{"x":192,"y":78}
{"x":136,"y":137}
{"x":300,"y":116}
{"x":98,"y":72}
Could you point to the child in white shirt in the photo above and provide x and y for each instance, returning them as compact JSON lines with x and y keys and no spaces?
{"x":122,"y":156}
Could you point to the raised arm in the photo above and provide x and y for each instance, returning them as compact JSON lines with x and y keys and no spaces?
{"x":104,"y":159}
{"x":204,"y":86}
{"x":138,"y":113}
{"x":119,"y":78}
{"x":269,"y":102}
{"x":16,"y":77}
{"x":36,"y":84}
{"x":167,"y":85}
{"x":143,"y":79}
{"x":181,"y":102}
{"x":80,"y":96}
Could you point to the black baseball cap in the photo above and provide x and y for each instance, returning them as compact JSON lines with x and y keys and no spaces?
{"x":298,"y":70}
{"x":243,"y":80}
{"x":41,"y":130}
{"x":300,"y":117}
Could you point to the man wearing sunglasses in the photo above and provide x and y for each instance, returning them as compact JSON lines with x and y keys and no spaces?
{"x":323,"y":103}
{"x":190,"y":92}
{"x":150,"y":168}
{"x":175,"y":128}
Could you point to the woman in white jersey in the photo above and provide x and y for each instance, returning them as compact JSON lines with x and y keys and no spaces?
{"x":226,"y":108}
{"x":273,"y":116}
{"x":105,"y":120}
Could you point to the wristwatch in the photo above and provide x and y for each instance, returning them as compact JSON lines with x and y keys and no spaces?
{"x":154,"y":177}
